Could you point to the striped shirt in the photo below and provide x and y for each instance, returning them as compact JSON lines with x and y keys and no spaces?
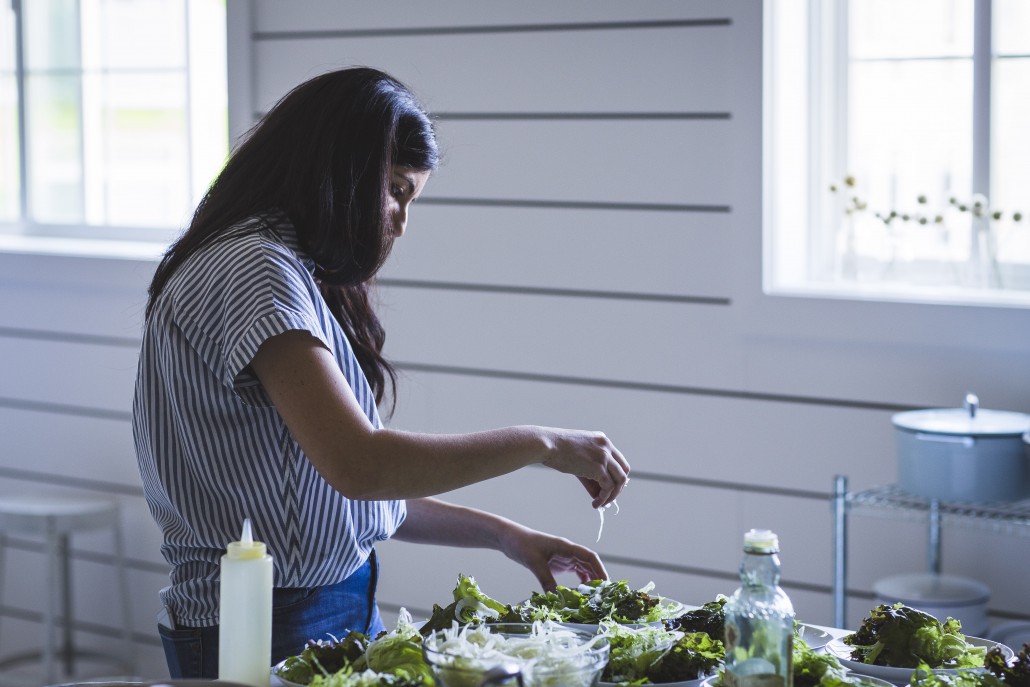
{"x":213,"y":450}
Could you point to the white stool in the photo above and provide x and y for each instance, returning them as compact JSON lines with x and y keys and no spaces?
{"x":55,"y":517}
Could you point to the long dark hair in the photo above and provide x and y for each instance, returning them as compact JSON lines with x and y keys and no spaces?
{"x":323,"y":155}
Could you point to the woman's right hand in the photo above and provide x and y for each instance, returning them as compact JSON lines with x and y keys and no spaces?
{"x":591,"y":457}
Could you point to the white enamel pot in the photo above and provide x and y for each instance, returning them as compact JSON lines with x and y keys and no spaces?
{"x":963,"y":454}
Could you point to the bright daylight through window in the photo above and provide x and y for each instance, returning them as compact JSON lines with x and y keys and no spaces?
{"x":112,"y":115}
{"x":897,"y":148}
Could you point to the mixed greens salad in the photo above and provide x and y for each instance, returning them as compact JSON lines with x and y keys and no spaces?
{"x":710,"y":619}
{"x":601,"y":600}
{"x":813,"y":668}
{"x":590,"y":603}
{"x":647,"y":654}
{"x":816,"y":669}
{"x":903,"y":637}
{"x":391,"y":658}
{"x":649,"y":641}
{"x":998,"y":673}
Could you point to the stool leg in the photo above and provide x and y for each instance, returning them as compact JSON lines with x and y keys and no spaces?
{"x":53,"y":591}
{"x":3,"y":563}
{"x":123,"y":583}
{"x":68,"y":652}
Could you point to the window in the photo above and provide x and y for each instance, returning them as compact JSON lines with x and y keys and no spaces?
{"x":112,"y":114}
{"x":896,"y":148}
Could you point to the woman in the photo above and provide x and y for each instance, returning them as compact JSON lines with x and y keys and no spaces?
{"x":261,"y":370}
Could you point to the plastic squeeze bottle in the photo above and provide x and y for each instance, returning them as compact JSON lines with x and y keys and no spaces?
{"x":245,"y":612}
{"x":759,"y":620}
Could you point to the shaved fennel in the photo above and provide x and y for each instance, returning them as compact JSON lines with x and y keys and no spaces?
{"x":549,"y":655}
{"x":600,"y":511}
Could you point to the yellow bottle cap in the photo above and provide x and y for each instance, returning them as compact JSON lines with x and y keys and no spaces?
{"x":761,"y":541}
{"x":246,"y":547}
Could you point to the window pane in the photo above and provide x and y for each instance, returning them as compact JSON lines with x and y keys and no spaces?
{"x":137,"y":35}
{"x":209,"y":93}
{"x":137,"y":157}
{"x":54,"y":136}
{"x":1011,"y":27}
{"x":1010,"y":174}
{"x":51,"y":35}
{"x":909,"y":125}
{"x":9,"y":175}
{"x":911,"y":28}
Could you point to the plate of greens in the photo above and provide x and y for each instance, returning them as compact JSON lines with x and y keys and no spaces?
{"x":659,"y":655}
{"x":1000,"y":672}
{"x":815,"y":637}
{"x":588,"y":605}
{"x":975,"y":650}
{"x":815,"y":668}
{"x":895,"y":640}
{"x":392,"y":658}
{"x":581,"y":608}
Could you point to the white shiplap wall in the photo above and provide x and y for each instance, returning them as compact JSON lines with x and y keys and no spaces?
{"x":589,"y":255}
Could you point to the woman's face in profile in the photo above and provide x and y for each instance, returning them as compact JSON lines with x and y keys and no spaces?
{"x":406,"y":185}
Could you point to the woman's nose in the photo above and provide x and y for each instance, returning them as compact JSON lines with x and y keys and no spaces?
{"x":400,"y":220}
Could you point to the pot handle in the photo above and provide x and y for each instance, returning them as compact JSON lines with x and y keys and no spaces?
{"x":968,"y":442}
{"x":971,"y":404}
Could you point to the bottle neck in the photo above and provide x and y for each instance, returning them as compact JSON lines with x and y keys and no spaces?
{"x":760,"y":569}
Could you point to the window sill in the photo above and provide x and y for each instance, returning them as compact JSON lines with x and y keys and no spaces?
{"x":914,"y":295}
{"x":139,"y":251}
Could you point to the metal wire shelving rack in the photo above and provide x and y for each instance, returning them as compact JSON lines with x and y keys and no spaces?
{"x":890,"y":501}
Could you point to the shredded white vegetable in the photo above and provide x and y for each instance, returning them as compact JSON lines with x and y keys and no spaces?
{"x":600,"y":512}
{"x":557,"y":655}
{"x":476,"y":605}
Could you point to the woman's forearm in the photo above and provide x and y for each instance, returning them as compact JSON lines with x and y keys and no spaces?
{"x":362,"y":462}
{"x":432,"y":521}
{"x":392,"y":464}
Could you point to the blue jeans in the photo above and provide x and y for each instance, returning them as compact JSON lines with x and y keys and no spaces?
{"x":298,"y":614}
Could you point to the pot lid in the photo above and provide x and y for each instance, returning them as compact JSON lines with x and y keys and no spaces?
{"x":970,"y":420}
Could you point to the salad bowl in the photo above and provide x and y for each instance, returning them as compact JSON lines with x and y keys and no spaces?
{"x":541,"y":654}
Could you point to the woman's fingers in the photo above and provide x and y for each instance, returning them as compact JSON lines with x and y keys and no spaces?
{"x":617,"y":472}
{"x":591,"y":457}
{"x":583,"y":563}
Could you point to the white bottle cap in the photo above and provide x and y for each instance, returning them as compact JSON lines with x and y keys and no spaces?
{"x":761,"y":541}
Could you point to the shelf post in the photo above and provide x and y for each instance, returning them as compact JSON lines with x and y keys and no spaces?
{"x":840,"y":549}
{"x":933,"y":554}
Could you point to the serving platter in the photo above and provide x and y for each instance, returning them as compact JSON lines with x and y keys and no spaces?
{"x":858,"y":680}
{"x":815,"y":637}
{"x":901,"y":676}
{"x":683,"y":683}
{"x":277,"y":681}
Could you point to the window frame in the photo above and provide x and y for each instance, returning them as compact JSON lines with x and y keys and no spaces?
{"x":26,"y":228}
{"x":812,"y":255}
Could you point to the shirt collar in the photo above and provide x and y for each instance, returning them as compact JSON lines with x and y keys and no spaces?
{"x":281,"y":225}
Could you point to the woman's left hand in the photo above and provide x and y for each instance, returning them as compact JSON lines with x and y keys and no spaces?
{"x":432,"y":521}
{"x":546,"y":555}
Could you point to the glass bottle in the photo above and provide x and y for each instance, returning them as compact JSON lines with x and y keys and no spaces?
{"x":759,"y":620}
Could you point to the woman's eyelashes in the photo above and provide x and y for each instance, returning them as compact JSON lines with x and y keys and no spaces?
{"x":401,"y":189}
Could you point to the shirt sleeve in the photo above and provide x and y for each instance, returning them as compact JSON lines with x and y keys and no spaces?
{"x":272,"y":293}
